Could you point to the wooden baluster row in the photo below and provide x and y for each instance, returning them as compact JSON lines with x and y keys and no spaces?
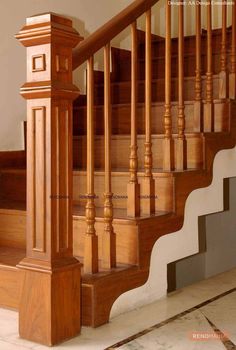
{"x":91,"y":239}
{"x":109,"y":237}
{"x":232,"y":75}
{"x":168,"y":143}
{"x":198,"y":111}
{"x":133,"y":187}
{"x":223,"y":56}
{"x":209,"y":107}
{"x":149,"y":183}
{"x":181,"y":161}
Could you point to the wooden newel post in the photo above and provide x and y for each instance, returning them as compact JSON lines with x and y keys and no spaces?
{"x":50,"y":304}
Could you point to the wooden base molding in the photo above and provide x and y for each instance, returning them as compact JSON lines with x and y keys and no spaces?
{"x":49,"y":311}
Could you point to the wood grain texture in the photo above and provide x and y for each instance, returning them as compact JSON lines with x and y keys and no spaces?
{"x":208,"y":109}
{"x":91,"y":240}
{"x":109,"y":236}
{"x":49,"y":310}
{"x":198,"y":110}
{"x":137,"y":87}
{"x":168,"y":145}
{"x":133,"y":187}
{"x":108,"y":31}
{"x":149,"y":183}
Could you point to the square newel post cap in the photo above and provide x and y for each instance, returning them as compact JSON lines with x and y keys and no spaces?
{"x":49,"y":39}
{"x":47,"y":28}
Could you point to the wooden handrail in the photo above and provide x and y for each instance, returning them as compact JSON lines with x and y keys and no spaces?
{"x":108,"y":31}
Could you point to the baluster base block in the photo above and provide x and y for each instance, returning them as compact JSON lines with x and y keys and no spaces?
{"x":133,"y":201}
{"x":108,"y":250}
{"x":148,"y":191}
{"x":223,"y":85}
{"x":91,"y":253}
{"x":198,"y":114}
{"x":232,"y":86}
{"x":209,"y":117}
{"x":49,"y":311}
{"x":168,"y":154}
{"x":181,"y":154}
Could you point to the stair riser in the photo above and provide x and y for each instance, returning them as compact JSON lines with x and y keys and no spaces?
{"x":158,"y":65}
{"x":121,"y":93}
{"x":164,"y":190}
{"x":13,"y":186}
{"x":126,"y":240}
{"x":13,"y":234}
{"x":121,"y":144}
{"x":158,"y":48}
{"x":121,"y":119}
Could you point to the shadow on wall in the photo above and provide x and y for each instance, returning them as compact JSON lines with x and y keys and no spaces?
{"x":217,"y":245}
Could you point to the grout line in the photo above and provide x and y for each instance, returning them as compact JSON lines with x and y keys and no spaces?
{"x":228,"y":344}
{"x":171,"y":319}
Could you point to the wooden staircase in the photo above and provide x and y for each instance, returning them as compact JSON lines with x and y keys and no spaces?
{"x":118,"y":259}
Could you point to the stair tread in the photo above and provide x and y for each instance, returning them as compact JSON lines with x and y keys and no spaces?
{"x":11,"y":256}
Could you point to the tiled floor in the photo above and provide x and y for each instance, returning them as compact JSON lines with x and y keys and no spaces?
{"x":182,"y":320}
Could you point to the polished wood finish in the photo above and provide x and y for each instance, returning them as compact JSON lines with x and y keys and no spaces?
{"x":232,"y":75}
{"x":198,"y":108}
{"x":91,"y":240}
{"x":149,"y":183}
{"x":48,"y":278}
{"x":223,"y":59}
{"x":133,"y":187}
{"x":108,"y":31}
{"x":109,"y":237}
{"x":10,"y":159}
{"x":208,"y":107}
{"x":181,"y":158}
{"x":46,"y":314}
{"x":168,"y":144}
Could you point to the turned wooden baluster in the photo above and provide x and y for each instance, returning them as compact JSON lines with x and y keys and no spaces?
{"x":91,"y":239}
{"x":168,"y":143}
{"x":109,"y":237}
{"x":232,"y":75}
{"x":133,"y":188}
{"x":223,"y":56}
{"x":198,"y":110}
{"x":181,"y":161}
{"x":209,"y":107}
{"x":149,"y":183}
